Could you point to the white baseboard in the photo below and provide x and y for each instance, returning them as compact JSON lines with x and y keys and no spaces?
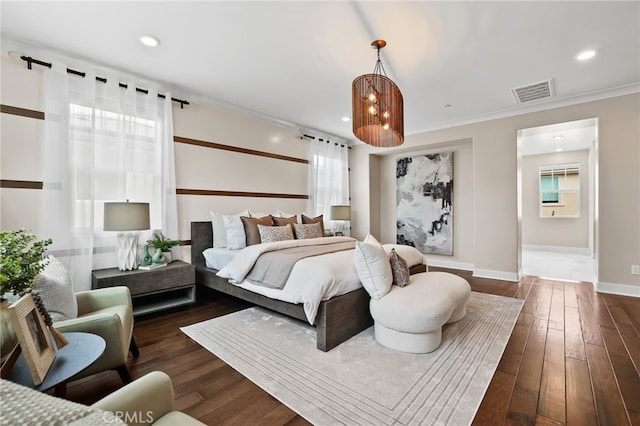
{"x":559,"y":249}
{"x":496,"y":275}
{"x":451,"y":264}
{"x":619,"y":289}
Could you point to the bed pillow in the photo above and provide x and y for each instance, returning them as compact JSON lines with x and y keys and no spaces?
{"x":219,"y":229}
{"x":236,"y":238}
{"x":55,"y":288}
{"x":309,"y":230}
{"x":271,"y":234}
{"x":318,"y":219}
{"x":373,"y":268}
{"x":250,"y":225}
{"x":399,"y":269}
{"x":281,"y":221}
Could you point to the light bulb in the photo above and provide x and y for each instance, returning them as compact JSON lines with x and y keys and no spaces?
{"x":386,"y":114}
{"x":386,"y":126}
{"x":373,"y":110}
{"x":372,"y":97}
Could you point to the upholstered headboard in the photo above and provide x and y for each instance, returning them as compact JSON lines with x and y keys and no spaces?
{"x":201,"y":239}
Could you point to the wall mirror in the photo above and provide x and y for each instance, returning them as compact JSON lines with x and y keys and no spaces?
{"x":560,"y":190}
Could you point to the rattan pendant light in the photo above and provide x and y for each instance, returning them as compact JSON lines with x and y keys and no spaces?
{"x":378,"y":117}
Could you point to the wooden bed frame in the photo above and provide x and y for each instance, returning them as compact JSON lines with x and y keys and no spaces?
{"x":338,"y":318}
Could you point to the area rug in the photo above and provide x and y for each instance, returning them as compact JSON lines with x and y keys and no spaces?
{"x":361,"y":382}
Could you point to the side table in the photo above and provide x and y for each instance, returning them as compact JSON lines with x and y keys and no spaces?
{"x":153,"y":290}
{"x":82,"y":351}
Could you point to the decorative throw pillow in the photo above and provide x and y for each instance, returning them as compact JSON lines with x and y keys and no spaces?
{"x":374,"y":271}
{"x":271,"y":234}
{"x":235,"y":232}
{"x":281,"y":221}
{"x":55,"y":288}
{"x":318,"y":219}
{"x":251,"y":228}
{"x":310,"y":230}
{"x":399,"y":269}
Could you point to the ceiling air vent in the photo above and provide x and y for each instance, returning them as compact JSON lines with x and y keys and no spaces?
{"x":533,"y":92}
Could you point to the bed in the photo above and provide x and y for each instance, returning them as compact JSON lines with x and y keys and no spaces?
{"x":337,"y":318}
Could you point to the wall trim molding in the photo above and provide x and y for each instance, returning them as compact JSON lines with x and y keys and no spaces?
{"x":561,"y":249}
{"x":451,"y":264}
{"x":20,"y":184}
{"x":182,"y":191}
{"x":189,"y":141}
{"x":22,"y":112}
{"x":619,"y":289}
{"x":496,"y":275}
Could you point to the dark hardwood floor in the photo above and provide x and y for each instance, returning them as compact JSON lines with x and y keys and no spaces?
{"x":573,"y":358}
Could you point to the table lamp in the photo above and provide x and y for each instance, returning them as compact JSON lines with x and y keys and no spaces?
{"x":340,"y":213}
{"x":126,"y":217}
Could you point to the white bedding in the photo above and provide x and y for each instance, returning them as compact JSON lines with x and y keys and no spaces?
{"x":218,"y":258}
{"x":312,"y":279}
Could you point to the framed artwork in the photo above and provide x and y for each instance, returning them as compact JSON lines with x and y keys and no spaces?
{"x":33,"y":337}
{"x":424,"y":202}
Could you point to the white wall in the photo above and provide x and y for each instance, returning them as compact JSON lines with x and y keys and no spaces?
{"x":494,"y":199}
{"x":555,"y":231}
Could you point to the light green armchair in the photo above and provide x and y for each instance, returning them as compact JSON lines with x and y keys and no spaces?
{"x":108,"y":313}
{"x":147,"y":400}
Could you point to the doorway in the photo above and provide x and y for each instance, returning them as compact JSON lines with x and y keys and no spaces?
{"x":557,"y":167}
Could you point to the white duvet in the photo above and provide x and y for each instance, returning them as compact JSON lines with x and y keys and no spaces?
{"x":312,"y":279}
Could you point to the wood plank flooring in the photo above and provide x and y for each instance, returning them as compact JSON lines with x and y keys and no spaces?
{"x":573,"y":358}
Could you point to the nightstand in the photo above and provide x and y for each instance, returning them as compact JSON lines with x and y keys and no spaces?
{"x":154,"y":290}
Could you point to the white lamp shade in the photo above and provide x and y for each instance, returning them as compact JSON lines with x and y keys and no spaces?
{"x":340,"y":213}
{"x":127,"y":216}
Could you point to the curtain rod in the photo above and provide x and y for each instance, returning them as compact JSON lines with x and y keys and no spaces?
{"x":304,"y":135}
{"x":29,"y":60}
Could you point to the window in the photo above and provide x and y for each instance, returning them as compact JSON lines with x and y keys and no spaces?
{"x":559,"y":190}
{"x":109,"y":151}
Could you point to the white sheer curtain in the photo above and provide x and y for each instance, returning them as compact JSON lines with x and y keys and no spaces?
{"x":103,"y":143}
{"x":328,"y":181}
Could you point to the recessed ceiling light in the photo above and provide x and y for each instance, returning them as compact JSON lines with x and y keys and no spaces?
{"x":149,"y":40}
{"x":558,"y":149}
{"x":345,"y":119}
{"x":558,"y":137}
{"x":586,"y":54}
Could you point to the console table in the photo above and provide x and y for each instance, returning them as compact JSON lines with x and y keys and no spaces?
{"x":153,"y":290}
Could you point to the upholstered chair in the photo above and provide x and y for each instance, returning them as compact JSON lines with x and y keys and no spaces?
{"x":106,"y":312}
{"x":147,"y":400}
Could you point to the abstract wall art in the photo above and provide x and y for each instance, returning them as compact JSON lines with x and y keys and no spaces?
{"x":424,"y":208}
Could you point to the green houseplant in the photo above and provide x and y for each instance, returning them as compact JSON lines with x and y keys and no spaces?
{"x":163,"y":247}
{"x":159,"y":242}
{"x":22,"y":257}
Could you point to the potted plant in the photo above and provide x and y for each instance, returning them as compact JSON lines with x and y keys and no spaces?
{"x":163,"y":247}
{"x":22,"y":257}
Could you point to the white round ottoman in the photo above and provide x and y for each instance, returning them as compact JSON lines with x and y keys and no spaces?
{"x":410,"y":319}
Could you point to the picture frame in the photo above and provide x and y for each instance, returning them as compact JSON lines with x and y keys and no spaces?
{"x":33,"y":336}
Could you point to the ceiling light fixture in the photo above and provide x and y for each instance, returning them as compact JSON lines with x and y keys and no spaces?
{"x":346,"y":119}
{"x":586,"y":54}
{"x":558,"y":137}
{"x":378,"y":118}
{"x":149,"y":40}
